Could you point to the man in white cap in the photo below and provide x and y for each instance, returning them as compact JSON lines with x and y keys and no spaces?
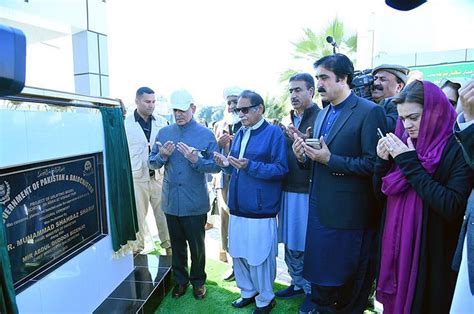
{"x":185,"y":149}
{"x":224,"y":131}
{"x":141,"y":127}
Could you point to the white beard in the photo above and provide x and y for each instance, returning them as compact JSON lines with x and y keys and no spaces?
{"x":231,"y":118}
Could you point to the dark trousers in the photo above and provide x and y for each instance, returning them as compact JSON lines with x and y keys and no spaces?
{"x":183,"y":231}
{"x":351,"y":297}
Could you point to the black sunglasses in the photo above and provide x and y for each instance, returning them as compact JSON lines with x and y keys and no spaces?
{"x":233,"y":101}
{"x":244,"y":110}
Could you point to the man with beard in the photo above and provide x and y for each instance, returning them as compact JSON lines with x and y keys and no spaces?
{"x":389,"y":80}
{"x":293,"y":216}
{"x":224,"y":131}
{"x":340,"y":238}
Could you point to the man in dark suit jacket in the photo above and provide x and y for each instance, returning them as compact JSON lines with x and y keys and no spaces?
{"x":339,"y":259}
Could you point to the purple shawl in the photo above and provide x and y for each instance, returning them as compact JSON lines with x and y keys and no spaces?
{"x":404,"y":213}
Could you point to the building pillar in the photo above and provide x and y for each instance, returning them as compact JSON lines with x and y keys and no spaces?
{"x":91,"y":71}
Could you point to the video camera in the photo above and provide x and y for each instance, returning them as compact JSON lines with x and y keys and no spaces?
{"x":362,"y":83}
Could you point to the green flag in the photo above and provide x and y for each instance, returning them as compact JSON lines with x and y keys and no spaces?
{"x":6,"y":281}
{"x":122,"y":209}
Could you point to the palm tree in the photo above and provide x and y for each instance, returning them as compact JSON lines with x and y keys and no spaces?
{"x":274,"y":108}
{"x":313,"y":46}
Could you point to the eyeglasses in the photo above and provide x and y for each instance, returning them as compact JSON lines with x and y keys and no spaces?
{"x":453,"y":102}
{"x":233,"y":101}
{"x":244,"y":110}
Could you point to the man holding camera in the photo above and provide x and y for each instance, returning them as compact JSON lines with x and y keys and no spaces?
{"x":340,"y":240}
{"x":389,"y":80}
{"x":293,"y":216}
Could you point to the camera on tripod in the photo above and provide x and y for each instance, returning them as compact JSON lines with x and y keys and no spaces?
{"x":362,"y":83}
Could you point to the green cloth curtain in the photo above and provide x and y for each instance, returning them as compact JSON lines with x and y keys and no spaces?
{"x":8,"y":304}
{"x":122,"y":209}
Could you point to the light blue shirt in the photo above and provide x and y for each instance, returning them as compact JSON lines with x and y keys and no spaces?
{"x":246,"y":137}
{"x":462,"y":122}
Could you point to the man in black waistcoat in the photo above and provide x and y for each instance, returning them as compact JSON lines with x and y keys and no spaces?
{"x":293,"y":216}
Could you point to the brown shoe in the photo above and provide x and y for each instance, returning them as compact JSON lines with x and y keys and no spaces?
{"x":179,"y":290}
{"x":223,"y":256}
{"x":199,"y":292}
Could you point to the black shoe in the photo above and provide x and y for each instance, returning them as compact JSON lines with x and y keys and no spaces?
{"x":179,"y":290}
{"x":308,"y":306}
{"x":199,"y":292}
{"x":265,"y":309}
{"x":289,"y":292}
{"x":242,"y":302}
{"x":230,"y":276}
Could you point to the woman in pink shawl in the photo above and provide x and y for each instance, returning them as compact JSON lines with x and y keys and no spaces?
{"x":421,"y":175}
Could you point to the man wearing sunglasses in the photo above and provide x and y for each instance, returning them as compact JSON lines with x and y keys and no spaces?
{"x":257,"y":164}
{"x":224,"y":131}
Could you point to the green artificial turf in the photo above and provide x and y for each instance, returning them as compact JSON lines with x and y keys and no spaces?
{"x":220,"y":295}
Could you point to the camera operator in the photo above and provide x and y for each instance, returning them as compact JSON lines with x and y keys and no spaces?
{"x":389,"y":80}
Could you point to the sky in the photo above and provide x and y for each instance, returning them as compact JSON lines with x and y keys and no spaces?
{"x":207,"y":45}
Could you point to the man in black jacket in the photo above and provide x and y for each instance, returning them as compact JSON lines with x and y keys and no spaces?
{"x":293,"y":216}
{"x":340,"y":242}
{"x":389,"y":80}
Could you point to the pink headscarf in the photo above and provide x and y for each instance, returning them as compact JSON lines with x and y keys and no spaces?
{"x":402,"y":230}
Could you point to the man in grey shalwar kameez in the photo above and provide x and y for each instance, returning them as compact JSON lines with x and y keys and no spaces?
{"x":257,"y":163}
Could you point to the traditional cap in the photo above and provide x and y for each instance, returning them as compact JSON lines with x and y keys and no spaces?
{"x":232,"y":91}
{"x":181,"y":99}
{"x":398,"y":70}
{"x":451,"y":81}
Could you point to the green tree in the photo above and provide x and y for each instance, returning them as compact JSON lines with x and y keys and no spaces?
{"x":210,"y":113}
{"x":205,"y":113}
{"x":312,"y":46}
{"x":274,"y":108}
{"x":218,"y":114}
